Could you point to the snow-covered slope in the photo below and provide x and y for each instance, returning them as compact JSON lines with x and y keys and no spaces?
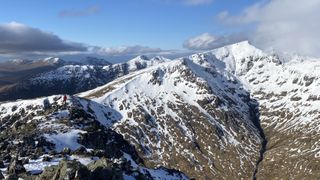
{"x":40,"y":133}
{"x":235,"y":111}
{"x":187,"y":115}
{"x":92,"y":71}
{"x":72,"y":77}
{"x":283,"y":94}
{"x":289,"y":102}
{"x":286,"y":89}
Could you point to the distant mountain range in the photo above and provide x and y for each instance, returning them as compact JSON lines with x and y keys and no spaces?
{"x":25,"y":79}
{"x":234,"y":112}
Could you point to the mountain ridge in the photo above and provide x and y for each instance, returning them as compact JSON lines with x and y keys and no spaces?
{"x":230,"y":112}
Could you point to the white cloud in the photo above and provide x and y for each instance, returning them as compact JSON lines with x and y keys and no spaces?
{"x":285,"y":25}
{"x":80,"y":12}
{"x":21,"y":41}
{"x":18,"y":38}
{"x":197,"y":2}
{"x":207,"y":41}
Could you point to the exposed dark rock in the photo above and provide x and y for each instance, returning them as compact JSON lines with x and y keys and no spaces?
{"x":2,"y":164}
{"x":46,"y":158}
{"x":66,"y":151}
{"x":7,"y":158}
{"x":80,"y":151}
{"x":1,"y":175}
{"x":12,"y":177}
{"x":16,"y":167}
{"x":66,"y":170}
{"x":24,"y":161}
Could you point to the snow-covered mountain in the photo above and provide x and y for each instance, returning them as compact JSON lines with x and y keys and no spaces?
{"x":233,"y":112}
{"x":71,"y":77}
{"x":184,"y":115}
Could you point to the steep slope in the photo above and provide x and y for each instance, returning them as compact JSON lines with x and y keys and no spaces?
{"x":70,"y":77}
{"x":288,"y":95}
{"x":36,"y":134}
{"x":279,"y":96}
{"x":187,"y":114}
{"x":286,"y":90}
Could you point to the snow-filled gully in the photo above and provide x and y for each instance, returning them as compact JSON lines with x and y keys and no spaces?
{"x":254,"y":110}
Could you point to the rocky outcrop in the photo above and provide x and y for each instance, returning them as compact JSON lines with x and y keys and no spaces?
{"x":66,"y":170}
{"x":34,"y":136}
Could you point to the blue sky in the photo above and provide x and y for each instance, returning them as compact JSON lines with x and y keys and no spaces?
{"x":117,"y":27}
{"x":155,"y":23}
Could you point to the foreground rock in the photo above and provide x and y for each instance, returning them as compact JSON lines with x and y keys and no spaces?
{"x":59,"y":141}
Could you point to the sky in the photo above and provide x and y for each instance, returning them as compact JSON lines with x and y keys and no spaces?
{"x":120,"y":29}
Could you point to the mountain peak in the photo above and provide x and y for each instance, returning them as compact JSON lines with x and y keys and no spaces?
{"x":240,"y":50}
{"x":52,"y":60}
{"x":19,"y":61}
{"x":141,"y":57}
{"x":236,"y":58}
{"x":95,"y":61}
{"x":160,"y":59}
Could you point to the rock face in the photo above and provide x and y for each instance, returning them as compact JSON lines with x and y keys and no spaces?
{"x":230,"y":112}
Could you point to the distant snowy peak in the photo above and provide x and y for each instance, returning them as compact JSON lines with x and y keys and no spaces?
{"x":160,"y":59}
{"x":294,"y":58}
{"x":46,"y":61}
{"x":53,"y":60}
{"x":145,"y":59}
{"x":95,"y":61}
{"x":237,"y":58}
{"x":240,"y":50}
{"x":140,"y":62}
{"x":19,"y":61}
{"x":141,"y":57}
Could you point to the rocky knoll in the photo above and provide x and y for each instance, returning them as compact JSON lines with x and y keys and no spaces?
{"x":45,"y":138}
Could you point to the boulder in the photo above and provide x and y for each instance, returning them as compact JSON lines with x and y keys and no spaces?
{"x":2,"y":164}
{"x":1,"y":175}
{"x":66,"y":170}
{"x":66,"y":151}
{"x":46,"y":158}
{"x":12,"y":177}
{"x":16,"y":167}
{"x":80,"y":151}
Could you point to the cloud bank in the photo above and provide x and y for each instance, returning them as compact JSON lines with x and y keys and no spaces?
{"x":207,"y":41}
{"x":284,"y":25}
{"x":21,"y":41}
{"x":18,"y":38}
